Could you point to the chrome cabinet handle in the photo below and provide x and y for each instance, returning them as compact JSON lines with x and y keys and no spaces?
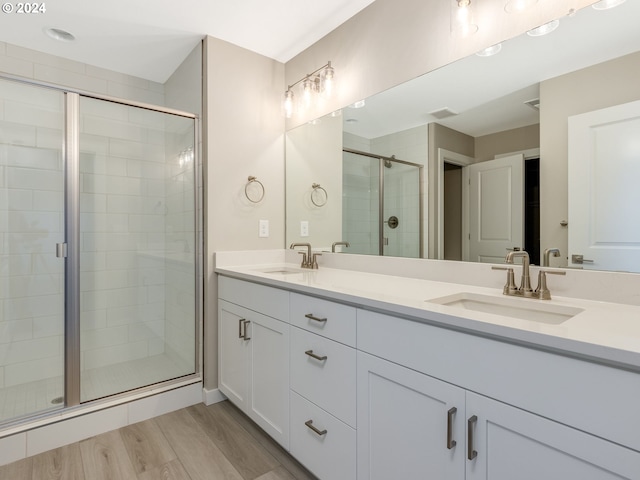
{"x":317,"y":357}
{"x":240,"y":327}
{"x":471,"y":427}
{"x":450,"y":441}
{"x":309,"y":423}
{"x":242,"y":333}
{"x":311,"y":317}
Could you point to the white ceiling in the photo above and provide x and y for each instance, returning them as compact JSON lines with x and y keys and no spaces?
{"x":150,"y":38}
{"x":489,"y":93}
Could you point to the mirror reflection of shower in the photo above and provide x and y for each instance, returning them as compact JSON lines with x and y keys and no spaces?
{"x":378,"y":188}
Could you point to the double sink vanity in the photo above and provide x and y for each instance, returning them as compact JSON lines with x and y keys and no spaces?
{"x":361,"y":371}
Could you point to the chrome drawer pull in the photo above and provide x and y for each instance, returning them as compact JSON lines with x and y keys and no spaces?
{"x":309,"y":423}
{"x":243,"y":334}
{"x":311,"y":317}
{"x":317,"y":357}
{"x":471,"y":427}
{"x":450,"y":441}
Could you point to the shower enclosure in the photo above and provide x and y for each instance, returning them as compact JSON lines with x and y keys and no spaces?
{"x":98,"y":250}
{"x":382,"y":205}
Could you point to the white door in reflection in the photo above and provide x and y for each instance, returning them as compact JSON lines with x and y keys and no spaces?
{"x":604,"y":168}
{"x":496,"y":208}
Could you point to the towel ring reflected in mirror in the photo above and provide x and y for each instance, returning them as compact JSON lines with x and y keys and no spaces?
{"x":254,"y":190}
{"x":319,"y":195}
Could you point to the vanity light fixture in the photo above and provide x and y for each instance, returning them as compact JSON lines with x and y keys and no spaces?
{"x":607,"y":4}
{"x":490,"y":51}
{"x":544,"y":29}
{"x":462,"y":21}
{"x":519,"y":6}
{"x":318,"y":83}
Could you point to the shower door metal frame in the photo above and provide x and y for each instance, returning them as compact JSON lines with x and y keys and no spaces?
{"x":381,"y":160}
{"x":71,"y":247}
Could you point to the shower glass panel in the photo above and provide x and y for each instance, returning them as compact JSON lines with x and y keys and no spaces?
{"x":381,"y":205}
{"x":137,"y":247}
{"x":31,"y":224}
{"x":360,"y":203}
{"x":401,"y":210}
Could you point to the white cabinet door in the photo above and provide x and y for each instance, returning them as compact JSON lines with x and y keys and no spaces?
{"x":269,"y":376}
{"x":513,"y":444}
{"x":233,"y":358}
{"x":405,"y":429}
{"x":254,"y":367}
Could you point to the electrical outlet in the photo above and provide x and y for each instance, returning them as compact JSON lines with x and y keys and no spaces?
{"x":304,"y":228}
{"x":264,"y":228}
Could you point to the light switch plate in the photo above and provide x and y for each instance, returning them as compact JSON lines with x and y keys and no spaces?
{"x":264,"y":229}
{"x":304,"y":228}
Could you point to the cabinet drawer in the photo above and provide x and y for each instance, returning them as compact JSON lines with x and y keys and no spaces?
{"x":329,"y":319}
{"x":328,"y":382}
{"x":330,"y":455}
{"x":259,"y":298}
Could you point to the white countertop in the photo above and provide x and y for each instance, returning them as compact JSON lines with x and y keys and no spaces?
{"x":603,"y":332}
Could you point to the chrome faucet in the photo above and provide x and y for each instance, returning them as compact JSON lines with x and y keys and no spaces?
{"x":308,"y":260}
{"x":525,"y":282}
{"x":524,"y":290}
{"x":333,"y":245}
{"x":549,"y":251}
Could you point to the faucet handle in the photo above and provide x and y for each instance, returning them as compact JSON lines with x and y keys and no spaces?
{"x":305,"y":261}
{"x":542,"y":291}
{"x":509,"y":287}
{"x":314,"y":262}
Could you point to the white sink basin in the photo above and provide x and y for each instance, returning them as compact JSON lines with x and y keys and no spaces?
{"x":281,"y":270}
{"x":522,"y":308}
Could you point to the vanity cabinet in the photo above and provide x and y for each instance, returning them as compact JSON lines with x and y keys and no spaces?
{"x":254,"y":354}
{"x":323,"y":386}
{"x":423,"y":427}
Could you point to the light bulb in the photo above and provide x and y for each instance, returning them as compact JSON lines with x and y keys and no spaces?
{"x":307,"y":91}
{"x":463,"y":22}
{"x":288,"y":103}
{"x":328,"y":80}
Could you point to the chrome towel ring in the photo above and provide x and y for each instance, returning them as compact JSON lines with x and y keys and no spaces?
{"x":254,"y":195}
{"x":319,"y":195}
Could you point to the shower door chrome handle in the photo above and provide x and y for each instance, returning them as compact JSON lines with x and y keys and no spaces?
{"x":61,"y":250}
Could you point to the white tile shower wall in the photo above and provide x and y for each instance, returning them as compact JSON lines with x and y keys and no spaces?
{"x":113,"y":196}
{"x":39,"y":66}
{"x":122,"y":170}
{"x":31,"y":222}
{"x":402,"y":193}
{"x":358,"y":208}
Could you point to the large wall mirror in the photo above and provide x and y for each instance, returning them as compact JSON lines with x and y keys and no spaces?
{"x":487,"y":154}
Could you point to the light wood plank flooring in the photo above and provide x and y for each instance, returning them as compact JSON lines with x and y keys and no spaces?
{"x":217,"y":442}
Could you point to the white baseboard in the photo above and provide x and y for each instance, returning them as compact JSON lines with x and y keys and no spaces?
{"x":209,"y":397}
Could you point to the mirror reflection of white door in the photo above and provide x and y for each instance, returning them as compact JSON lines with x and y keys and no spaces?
{"x":496,"y":208}
{"x":604,"y":188}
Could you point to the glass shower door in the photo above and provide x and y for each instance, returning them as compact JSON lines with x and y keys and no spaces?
{"x":401,"y":210}
{"x":137,"y":247}
{"x":361,"y":203}
{"x":31,"y":275}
